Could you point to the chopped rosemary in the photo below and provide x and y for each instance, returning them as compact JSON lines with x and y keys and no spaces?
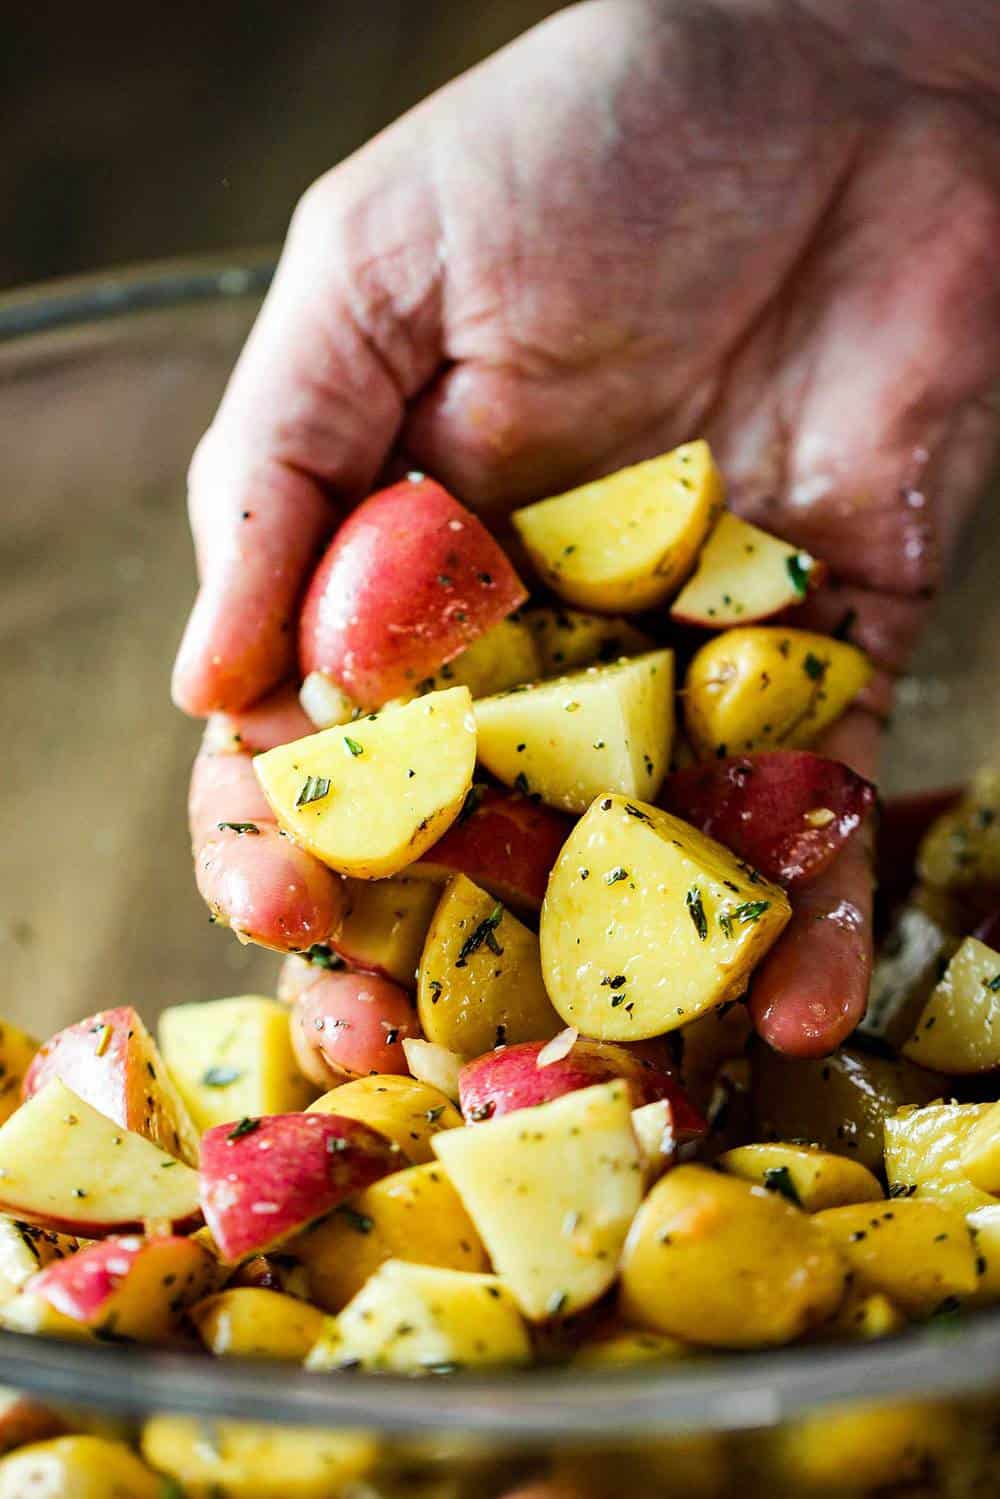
{"x":245,"y":1127}
{"x":614,"y":875}
{"x":483,"y":933}
{"x":814,"y":668}
{"x":360,"y":1222}
{"x":239,"y":827}
{"x":779,"y":1179}
{"x":220,"y":1077}
{"x":799,"y":567}
{"x":750,"y":911}
{"x":637,"y":813}
{"x":353,"y":745}
{"x":697,"y":912}
{"x":313,"y":789}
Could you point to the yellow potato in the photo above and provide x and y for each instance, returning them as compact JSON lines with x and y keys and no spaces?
{"x":608,"y":728}
{"x":626,"y":1347}
{"x":917,"y":1253}
{"x":959,"y":1027}
{"x":855,"y":1449}
{"x":552,"y":1191}
{"x":248,"y":1322}
{"x":412,"y":1319}
{"x":864,"y":1316}
{"x":720,"y":1262}
{"x":923,"y":1154}
{"x":764,"y":687}
{"x":981,"y":1151}
{"x":29,"y":1313}
{"x":408,"y":1112}
{"x":567,"y":639}
{"x":631,"y":884}
{"x":480,"y":982}
{"x":233,"y":1058}
{"x":961,"y":849}
{"x":708,"y":1044}
{"x":413,"y":1215}
{"x":209,"y":1459}
{"x":385,"y":925}
{"x":506,"y":655}
{"x":743,"y":574}
{"x":626,"y":542}
{"x":811,"y":1178}
{"x":368,"y":799}
{"x":24,"y":1249}
{"x":17,"y":1049}
{"x":77,"y":1467}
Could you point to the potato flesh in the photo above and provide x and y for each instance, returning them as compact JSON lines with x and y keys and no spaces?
{"x":86,"y":1467}
{"x":812,"y":1179}
{"x":406,"y":1111}
{"x":609,"y":728}
{"x":905,"y":972}
{"x":567,"y":639}
{"x":503,"y":657}
{"x":923,"y":1154}
{"x":552,"y":1191}
{"x":248,"y":1322}
{"x":743,"y":573}
{"x":981,"y":1151}
{"x":17,"y":1049}
{"x":762,"y":687}
{"x":632,"y":885}
{"x":24,"y":1249}
{"x":961,"y":849}
{"x":959,"y":1028}
{"x":411,"y":1319}
{"x":485,"y":998}
{"x":233,"y":1058}
{"x":919,"y":1254}
{"x":395,"y":782}
{"x":385,"y":924}
{"x":254,"y":1461}
{"x":626,"y":542}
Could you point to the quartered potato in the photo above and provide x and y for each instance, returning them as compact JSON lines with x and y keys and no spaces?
{"x":744,"y":574}
{"x":25,"y":1249}
{"x":246,"y":1322}
{"x":406,"y":1111}
{"x":506,"y":655}
{"x":959,"y":1027}
{"x":384,"y":925}
{"x":811,"y":1178}
{"x":567,"y":639}
{"x":917,"y":1253}
{"x":961,"y":849}
{"x":240,"y":1460}
{"x":924,"y":1150}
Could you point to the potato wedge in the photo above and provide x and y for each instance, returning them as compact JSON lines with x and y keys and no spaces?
{"x":959,"y":1027}
{"x":626,"y":542}
{"x":414,"y":1215}
{"x":722,"y":1263}
{"x":608,"y":728}
{"x":567,"y":639}
{"x":500,"y":659}
{"x":412,"y":1319}
{"x":17,"y":1049}
{"x":980,"y":1155}
{"x":25,"y":1249}
{"x":744,"y":574}
{"x":408,"y":1112}
{"x":905,"y":971}
{"x":385,"y":925}
{"x":811,"y":1178}
{"x":85,"y":1467}
{"x":232,"y":1058}
{"x":923,"y":1154}
{"x":369,"y":799}
{"x":480,"y":978}
{"x":245,"y":1322}
{"x":552,"y":1195}
{"x":245,"y":1461}
{"x":631,"y":883}
{"x":961,"y":848}
{"x":917,"y":1253}
{"x":763,"y":687}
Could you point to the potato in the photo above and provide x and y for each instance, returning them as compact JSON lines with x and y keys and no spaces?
{"x":369,"y":799}
{"x":838,"y":1102}
{"x":25,"y":1249}
{"x":961,"y":848}
{"x":347,"y":1025}
{"x":722,"y":1263}
{"x":864,"y":1316}
{"x":608,"y":728}
{"x":552,"y":1194}
{"x":505,"y":656}
{"x":744,"y":574}
{"x":414,"y":1215}
{"x":811,"y":1178}
{"x":567,"y":639}
{"x":860,"y":1448}
{"x":83,"y":1467}
{"x":23,"y":1419}
{"x":384,"y":926}
{"x":626,"y":1347}
{"x":628,"y":541}
{"x":923,"y":1154}
{"x":434,"y":1065}
{"x":245,"y":1322}
{"x":906,"y":968}
{"x":480,"y":977}
{"x":917,"y":1253}
{"x":17,"y":1049}
{"x":633,"y":883}
{"x":959,"y":1027}
{"x":506,"y":843}
{"x":981,"y":1151}
{"x":244,"y":1461}
{"x":232,"y":1058}
{"x":65,"y":1166}
{"x":324,"y":703}
{"x":764,"y":687}
{"x":405,"y":1111}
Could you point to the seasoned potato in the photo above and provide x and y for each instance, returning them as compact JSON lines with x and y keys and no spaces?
{"x":608,"y":728}
{"x":413,"y":1215}
{"x":744,"y":574}
{"x":552,"y":1192}
{"x":961,"y":849}
{"x":860,"y":1448}
{"x":407,"y":1112}
{"x":233,"y":1058}
{"x":369,"y":799}
{"x":864,"y":1316}
{"x":243,"y":1461}
{"x":981,"y":1151}
{"x":480,"y":982}
{"x":17,"y":1049}
{"x":628,"y":1346}
{"x":811,"y":1178}
{"x":385,"y":925}
{"x":923,"y":1153}
{"x":764,"y":687}
{"x":505,"y":656}
{"x":246,"y":1322}
{"x":567,"y":639}
{"x":434,"y":1065}
{"x":631,"y":884}
{"x":722,"y":1263}
{"x":83,"y":1467}
{"x":24,"y":1249}
{"x":917,"y":1253}
{"x":413,"y":1319}
{"x":959,"y":1027}
{"x":905,"y":971}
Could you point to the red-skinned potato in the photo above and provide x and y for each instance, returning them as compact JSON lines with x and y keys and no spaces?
{"x":520,"y":1077}
{"x":263,"y":1180}
{"x":112,"y":1062}
{"x":347,"y":1025}
{"x":504,"y":842}
{"x":786,"y":812}
{"x":410,"y":579}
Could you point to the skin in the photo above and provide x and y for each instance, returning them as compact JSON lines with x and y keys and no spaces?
{"x":757,"y":221}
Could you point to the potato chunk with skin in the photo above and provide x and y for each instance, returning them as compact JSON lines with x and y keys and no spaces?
{"x":17,"y":1049}
{"x":744,"y":574}
{"x":567,"y":639}
{"x":723,"y":1263}
{"x":25,"y":1249}
{"x":919,"y":1254}
{"x":82,"y":1466}
{"x":959,"y":1027}
{"x":406,"y":1111}
{"x":961,"y":848}
{"x":552,"y":1192}
{"x":628,"y":541}
{"x":768,"y":688}
{"x":981,"y":1151}
{"x":631,"y":884}
{"x":385,"y":924}
{"x":411,"y":1319}
{"x":369,"y":798}
{"x":244,"y":1460}
{"x":480,"y":982}
{"x":608,"y":728}
{"x":246,"y":1322}
{"x":923,"y":1154}
{"x":500,"y":659}
{"x":813,"y":1179}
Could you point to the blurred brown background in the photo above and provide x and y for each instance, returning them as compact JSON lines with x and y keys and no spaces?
{"x":135,"y":132}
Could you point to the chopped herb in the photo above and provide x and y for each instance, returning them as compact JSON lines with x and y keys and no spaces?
{"x":220,"y":1077}
{"x":903,"y":1189}
{"x":846,"y":624}
{"x":433,"y":1115}
{"x":598,"y":743}
{"x":726,"y":923}
{"x":353,"y":745}
{"x":556,"y":1302}
{"x":614,"y":983}
{"x":444,"y":580}
{"x":79,"y":1192}
{"x":799,"y":567}
{"x":435,"y":987}
{"x":238,"y":827}
{"x":360,"y":1222}
{"x":993,"y":983}
{"x":697,"y":912}
{"x":483,"y":933}
{"x":614,"y":875}
{"x":500,"y":1039}
{"x":245,"y":1127}
{"x":521,"y":782}
{"x":313,"y":789}
{"x":637,"y":813}
{"x":473,"y":800}
{"x":814,"y":668}
{"x":779,"y":1179}
{"x":322,"y":956}
{"x":750,"y":911}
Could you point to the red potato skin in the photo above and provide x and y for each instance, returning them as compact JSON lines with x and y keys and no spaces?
{"x":507,"y":844}
{"x":263,"y":1185}
{"x":757,"y":804}
{"x":84,"y":1285}
{"x":509,"y":1078}
{"x":409,"y":580}
{"x":348,"y":1025}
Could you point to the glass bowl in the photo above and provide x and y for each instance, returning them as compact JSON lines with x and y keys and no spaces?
{"x":105,"y":385}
